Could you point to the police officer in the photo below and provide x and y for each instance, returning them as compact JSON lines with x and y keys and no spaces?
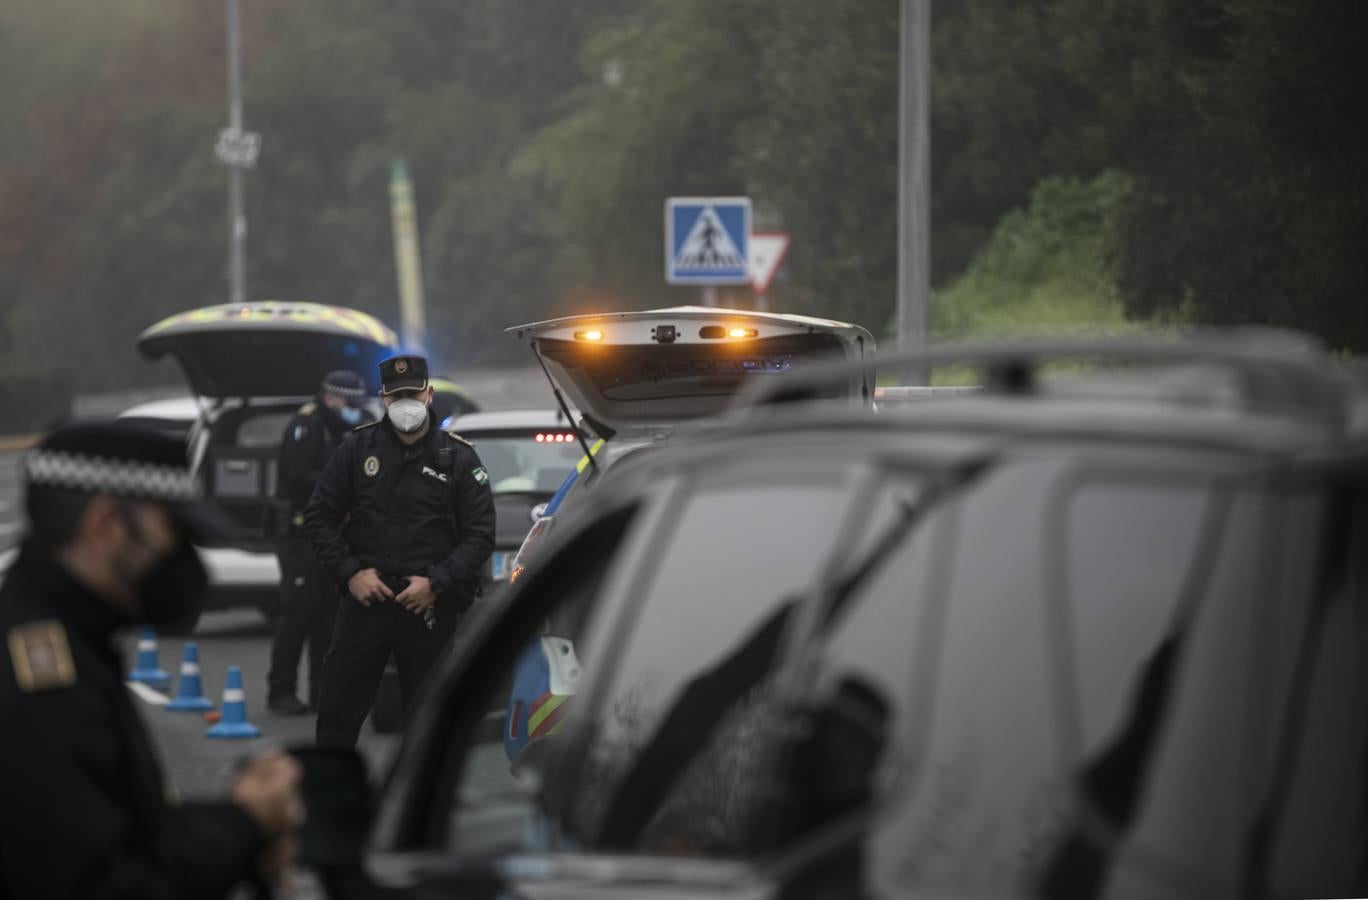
{"x":308,"y":594}
{"x":111,"y":515}
{"x":404,"y":518}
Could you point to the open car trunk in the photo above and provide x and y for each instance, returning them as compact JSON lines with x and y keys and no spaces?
{"x":269,"y":349}
{"x":638,"y":371}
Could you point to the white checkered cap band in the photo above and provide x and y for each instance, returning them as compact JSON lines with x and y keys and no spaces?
{"x":349,"y":393}
{"x":115,"y":476}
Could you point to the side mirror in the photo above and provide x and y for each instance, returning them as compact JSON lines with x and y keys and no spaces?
{"x":337,"y":807}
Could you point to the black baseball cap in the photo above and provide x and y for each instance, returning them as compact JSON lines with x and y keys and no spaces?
{"x":403,"y":373}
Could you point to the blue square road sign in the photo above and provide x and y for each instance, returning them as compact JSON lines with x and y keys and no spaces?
{"x":707,"y":240}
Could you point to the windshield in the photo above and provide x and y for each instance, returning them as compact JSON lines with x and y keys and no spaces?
{"x":535,"y":462}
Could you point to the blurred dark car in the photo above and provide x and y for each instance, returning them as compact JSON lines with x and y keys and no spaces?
{"x":250,"y":367}
{"x":1105,"y":639}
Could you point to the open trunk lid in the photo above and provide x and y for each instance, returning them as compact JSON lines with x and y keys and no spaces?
{"x":269,"y":348}
{"x":641,"y":371}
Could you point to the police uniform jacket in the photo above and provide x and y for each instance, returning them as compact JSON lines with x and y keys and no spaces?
{"x":424,"y":509}
{"x":86,"y":813}
{"x":309,"y":440}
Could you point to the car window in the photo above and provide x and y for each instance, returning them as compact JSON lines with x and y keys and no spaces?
{"x":1049,"y":638}
{"x":264,"y":429}
{"x":704,"y":616}
{"x":528,"y":461}
{"x":494,"y":800}
{"x":715,"y":599}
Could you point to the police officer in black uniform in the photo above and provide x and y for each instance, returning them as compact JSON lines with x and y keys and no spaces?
{"x":308,"y":593}
{"x":403,"y":517}
{"x":111,"y":514}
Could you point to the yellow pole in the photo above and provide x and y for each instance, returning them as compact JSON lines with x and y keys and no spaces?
{"x":412,"y":319}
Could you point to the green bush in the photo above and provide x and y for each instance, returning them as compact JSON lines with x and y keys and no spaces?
{"x":1047,"y":269}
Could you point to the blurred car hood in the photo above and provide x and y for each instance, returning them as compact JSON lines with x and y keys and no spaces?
{"x":639,"y":371}
{"x":269,"y":348}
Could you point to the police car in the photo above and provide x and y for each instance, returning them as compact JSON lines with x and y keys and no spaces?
{"x":528,"y":453}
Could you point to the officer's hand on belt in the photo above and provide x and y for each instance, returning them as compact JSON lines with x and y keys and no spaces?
{"x":367,"y":587}
{"x":418,"y":597}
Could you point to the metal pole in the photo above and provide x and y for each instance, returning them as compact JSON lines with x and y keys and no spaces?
{"x":237,"y":218}
{"x":404,"y":219}
{"x":914,"y":184}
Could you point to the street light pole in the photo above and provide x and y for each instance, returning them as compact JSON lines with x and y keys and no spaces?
{"x":237,"y":218}
{"x":914,"y":184}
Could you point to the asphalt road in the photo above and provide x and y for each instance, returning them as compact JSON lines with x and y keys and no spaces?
{"x":198,"y":766}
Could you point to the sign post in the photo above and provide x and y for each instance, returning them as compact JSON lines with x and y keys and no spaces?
{"x":707,"y":242}
{"x":404,"y":217}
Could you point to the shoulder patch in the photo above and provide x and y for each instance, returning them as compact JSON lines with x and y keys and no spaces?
{"x":458,"y":439}
{"x":308,"y":409}
{"x":41,"y":656}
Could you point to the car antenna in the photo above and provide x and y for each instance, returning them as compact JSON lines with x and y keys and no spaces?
{"x":565,"y":408}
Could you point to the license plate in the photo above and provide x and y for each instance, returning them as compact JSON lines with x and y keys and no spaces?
{"x":498,"y":564}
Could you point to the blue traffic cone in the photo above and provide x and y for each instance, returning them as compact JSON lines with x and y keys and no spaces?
{"x":147,"y":670}
{"x":234,"y":723}
{"x":190,"y":694}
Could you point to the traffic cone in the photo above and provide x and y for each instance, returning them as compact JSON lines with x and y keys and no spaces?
{"x":147,"y":670}
{"x":190,"y":694}
{"x":234,"y":723}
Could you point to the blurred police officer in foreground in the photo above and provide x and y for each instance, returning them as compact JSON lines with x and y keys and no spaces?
{"x":308,"y":593}
{"x":404,"y":518}
{"x":111,"y":514}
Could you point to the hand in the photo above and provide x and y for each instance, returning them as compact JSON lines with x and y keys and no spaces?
{"x":418,"y":597}
{"x":277,"y":858}
{"x":268,"y":789}
{"x":367,"y":587}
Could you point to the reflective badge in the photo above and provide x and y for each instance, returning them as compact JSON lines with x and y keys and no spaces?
{"x":299,"y":432}
{"x":41,"y":656}
{"x":372,"y":465}
{"x":481,"y":476}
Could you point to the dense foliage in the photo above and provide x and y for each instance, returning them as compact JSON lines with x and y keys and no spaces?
{"x":1213,"y":143}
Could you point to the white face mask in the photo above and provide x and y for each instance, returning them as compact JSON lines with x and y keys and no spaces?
{"x":407,"y":415}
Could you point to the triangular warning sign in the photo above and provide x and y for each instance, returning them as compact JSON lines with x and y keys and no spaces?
{"x":767,"y":251}
{"x":708,"y":246}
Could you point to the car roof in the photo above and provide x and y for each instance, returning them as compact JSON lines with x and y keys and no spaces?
{"x":499,"y":420}
{"x":172,"y":408}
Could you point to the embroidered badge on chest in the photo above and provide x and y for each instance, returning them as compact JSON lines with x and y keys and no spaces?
{"x":41,"y":656}
{"x":371,"y":466}
{"x":433,"y":473}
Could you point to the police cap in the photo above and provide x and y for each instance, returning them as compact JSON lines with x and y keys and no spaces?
{"x":346,"y":384}
{"x":124,"y":461}
{"x":403,"y":373}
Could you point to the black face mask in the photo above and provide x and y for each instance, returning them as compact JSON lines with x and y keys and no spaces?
{"x":172,"y":591}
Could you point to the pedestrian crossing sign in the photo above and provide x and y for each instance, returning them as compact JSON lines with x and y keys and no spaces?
{"x":707,"y":240}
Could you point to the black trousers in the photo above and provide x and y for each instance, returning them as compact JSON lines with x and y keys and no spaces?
{"x":309,"y":604}
{"x":363,"y":640}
